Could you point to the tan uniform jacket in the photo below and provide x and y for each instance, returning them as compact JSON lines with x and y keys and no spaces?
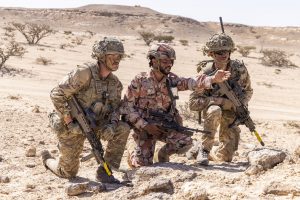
{"x":199,"y":100}
{"x":102,"y":96}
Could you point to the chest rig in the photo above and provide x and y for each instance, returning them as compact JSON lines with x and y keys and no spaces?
{"x":101,"y":103}
{"x":233,"y":81}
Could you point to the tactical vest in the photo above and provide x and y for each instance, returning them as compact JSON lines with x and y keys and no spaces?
{"x":99,"y":91}
{"x":236,"y":69}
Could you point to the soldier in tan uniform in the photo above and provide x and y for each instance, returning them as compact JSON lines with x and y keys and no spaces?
{"x":98,"y":91}
{"x":149,"y":92}
{"x":216,"y":108}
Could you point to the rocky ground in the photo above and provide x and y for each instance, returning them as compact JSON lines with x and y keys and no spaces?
{"x":270,"y":172}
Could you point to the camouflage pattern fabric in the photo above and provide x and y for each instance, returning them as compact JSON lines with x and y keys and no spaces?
{"x":215,"y":115}
{"x":103,"y":97}
{"x":143,"y":152}
{"x":219,"y":42}
{"x":144,"y":93}
{"x":108,"y":45}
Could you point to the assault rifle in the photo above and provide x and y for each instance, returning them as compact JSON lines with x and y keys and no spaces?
{"x":167,"y":121}
{"x":235,"y":95}
{"x":85,"y":124}
{"x":241,"y":111}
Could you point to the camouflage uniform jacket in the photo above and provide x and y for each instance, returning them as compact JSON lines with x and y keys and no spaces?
{"x":199,"y":100}
{"x":145,"y":92}
{"x":102,"y":96}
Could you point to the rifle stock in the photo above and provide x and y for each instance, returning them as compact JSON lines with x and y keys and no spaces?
{"x":82,"y":119}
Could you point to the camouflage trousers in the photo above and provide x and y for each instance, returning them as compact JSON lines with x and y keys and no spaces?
{"x":144,"y":147}
{"x":71,"y":145}
{"x":228,"y":137}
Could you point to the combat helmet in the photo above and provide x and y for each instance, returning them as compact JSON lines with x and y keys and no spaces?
{"x":108,"y":45}
{"x":161,"y":50}
{"x":219,"y":42}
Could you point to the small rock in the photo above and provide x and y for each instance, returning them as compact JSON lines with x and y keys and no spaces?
{"x":30,"y":139}
{"x":76,"y":189}
{"x":4,"y":179}
{"x":277,"y":71}
{"x":31,"y":152}
{"x":36,"y":109}
{"x":96,"y":188}
{"x":187,"y":176}
{"x":297,"y":151}
{"x":279,"y":188}
{"x":1,"y":159}
{"x":30,"y":186}
{"x":42,"y":142}
{"x":254,"y":169}
{"x":192,"y":191}
{"x":267,"y":158}
{"x":30,"y":165}
{"x":158,"y":185}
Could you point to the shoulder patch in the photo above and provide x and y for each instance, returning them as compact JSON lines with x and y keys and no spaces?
{"x":202,"y":65}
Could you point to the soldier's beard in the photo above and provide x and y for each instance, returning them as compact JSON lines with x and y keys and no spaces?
{"x":165,"y":70}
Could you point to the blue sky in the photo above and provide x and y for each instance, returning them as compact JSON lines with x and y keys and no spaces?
{"x":254,"y":12}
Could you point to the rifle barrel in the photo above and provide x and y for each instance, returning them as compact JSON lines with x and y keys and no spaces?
{"x":221,"y":22}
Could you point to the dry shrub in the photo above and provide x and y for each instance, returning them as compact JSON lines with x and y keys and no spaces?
{"x":275,"y":57}
{"x":245,"y":50}
{"x":77,"y":40}
{"x":91,"y":34}
{"x":67,"y":32}
{"x":294,"y":124}
{"x":33,"y":33}
{"x":10,"y":49}
{"x":164,"y":38}
{"x":9,"y":31}
{"x":43,"y":61}
{"x":184,"y":42}
{"x":148,"y":37}
{"x":63,"y":46}
{"x":13,"y":97}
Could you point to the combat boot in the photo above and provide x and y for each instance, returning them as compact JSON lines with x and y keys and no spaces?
{"x":45,"y":156}
{"x":103,"y":177}
{"x":202,"y":158}
{"x":50,"y":163}
{"x":192,"y":153}
{"x":161,"y":155}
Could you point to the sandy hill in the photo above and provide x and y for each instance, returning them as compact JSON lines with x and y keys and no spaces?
{"x":25,"y":84}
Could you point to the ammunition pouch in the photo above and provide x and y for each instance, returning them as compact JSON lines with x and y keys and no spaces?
{"x":56,"y":123}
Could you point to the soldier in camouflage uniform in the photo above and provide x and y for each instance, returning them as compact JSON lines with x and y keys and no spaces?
{"x":149,"y":91}
{"x":99,"y":90}
{"x":217,"y":109}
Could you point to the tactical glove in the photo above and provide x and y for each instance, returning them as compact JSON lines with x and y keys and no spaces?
{"x":74,"y":128}
{"x":227,"y":104}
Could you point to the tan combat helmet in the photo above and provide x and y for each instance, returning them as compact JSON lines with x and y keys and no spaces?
{"x":108,"y":45}
{"x":218,"y":42}
{"x":161,"y":50}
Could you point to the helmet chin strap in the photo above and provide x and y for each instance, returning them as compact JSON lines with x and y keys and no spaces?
{"x":158,"y":68}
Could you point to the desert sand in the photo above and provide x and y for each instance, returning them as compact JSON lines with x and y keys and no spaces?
{"x":24,"y":94}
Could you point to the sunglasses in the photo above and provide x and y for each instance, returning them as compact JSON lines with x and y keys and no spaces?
{"x":221,"y":52}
